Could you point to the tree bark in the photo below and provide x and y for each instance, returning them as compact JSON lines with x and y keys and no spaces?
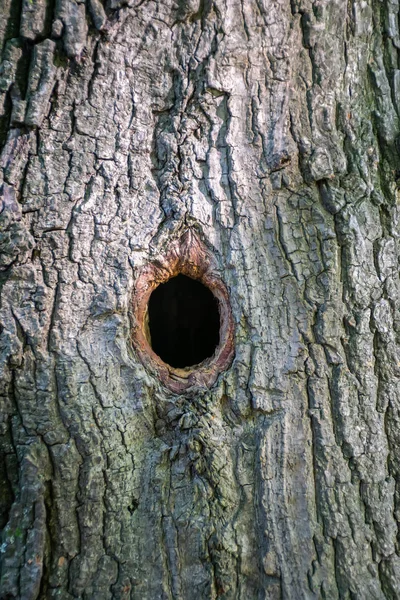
{"x":271,"y":130}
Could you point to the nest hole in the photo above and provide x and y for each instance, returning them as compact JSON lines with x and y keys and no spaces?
{"x":184,"y":322}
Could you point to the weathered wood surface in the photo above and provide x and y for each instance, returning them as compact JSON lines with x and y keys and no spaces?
{"x":271,"y":127}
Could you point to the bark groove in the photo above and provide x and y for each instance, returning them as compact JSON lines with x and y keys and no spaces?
{"x":272,"y":130}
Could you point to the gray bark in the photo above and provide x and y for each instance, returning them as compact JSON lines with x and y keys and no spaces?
{"x":271,"y":128}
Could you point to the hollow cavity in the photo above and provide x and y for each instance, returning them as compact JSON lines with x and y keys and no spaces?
{"x":183,"y":322}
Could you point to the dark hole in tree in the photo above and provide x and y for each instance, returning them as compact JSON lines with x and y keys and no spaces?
{"x":183,"y":322}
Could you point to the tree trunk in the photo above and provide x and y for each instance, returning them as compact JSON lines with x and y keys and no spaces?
{"x":268,"y":132}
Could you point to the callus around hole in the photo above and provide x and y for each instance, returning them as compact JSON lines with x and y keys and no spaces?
{"x":182,"y":321}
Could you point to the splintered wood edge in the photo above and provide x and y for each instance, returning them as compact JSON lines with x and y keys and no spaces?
{"x":187,"y":256}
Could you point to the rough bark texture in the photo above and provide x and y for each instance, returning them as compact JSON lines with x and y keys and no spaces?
{"x":271,"y":128}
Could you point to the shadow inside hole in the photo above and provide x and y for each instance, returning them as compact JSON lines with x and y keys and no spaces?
{"x":183,"y":322}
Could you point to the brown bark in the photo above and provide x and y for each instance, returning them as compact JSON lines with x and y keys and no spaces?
{"x":271,"y":130}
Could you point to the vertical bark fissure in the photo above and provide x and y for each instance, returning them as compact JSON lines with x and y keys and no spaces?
{"x":252,"y":124}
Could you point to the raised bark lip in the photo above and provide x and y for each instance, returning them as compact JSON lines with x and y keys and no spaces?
{"x":187,"y":256}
